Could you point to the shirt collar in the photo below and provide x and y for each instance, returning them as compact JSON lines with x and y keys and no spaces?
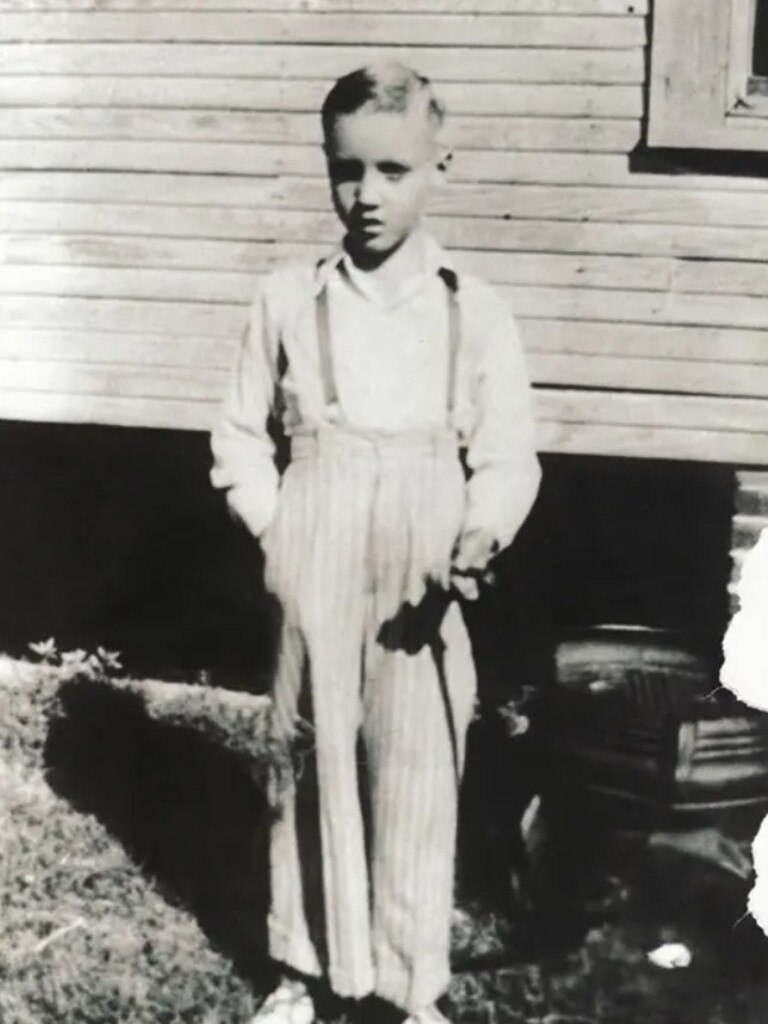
{"x":436,"y":261}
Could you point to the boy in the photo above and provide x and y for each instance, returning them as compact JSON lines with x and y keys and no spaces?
{"x":380,"y":364}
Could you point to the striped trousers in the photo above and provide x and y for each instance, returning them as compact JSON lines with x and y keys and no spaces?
{"x":375,"y":676}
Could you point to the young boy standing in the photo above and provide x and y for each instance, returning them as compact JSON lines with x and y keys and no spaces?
{"x":402,"y":387}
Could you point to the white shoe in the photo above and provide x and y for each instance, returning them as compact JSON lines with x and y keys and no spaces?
{"x":428,"y":1015}
{"x":290,"y":1003}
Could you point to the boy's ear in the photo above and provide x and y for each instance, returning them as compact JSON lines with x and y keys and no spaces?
{"x":444,"y":160}
{"x":442,"y":163}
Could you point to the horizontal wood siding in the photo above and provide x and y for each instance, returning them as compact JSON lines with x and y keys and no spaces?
{"x":156,"y":155}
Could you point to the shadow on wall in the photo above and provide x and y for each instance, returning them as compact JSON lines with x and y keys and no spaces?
{"x":114,"y":536}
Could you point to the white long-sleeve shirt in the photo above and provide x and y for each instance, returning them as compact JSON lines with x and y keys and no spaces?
{"x":390,"y":359}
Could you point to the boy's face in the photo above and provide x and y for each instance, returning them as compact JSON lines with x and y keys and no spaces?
{"x":382,"y":166}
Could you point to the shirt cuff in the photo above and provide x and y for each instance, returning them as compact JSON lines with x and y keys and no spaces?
{"x":255,"y":505}
{"x":499,"y":500}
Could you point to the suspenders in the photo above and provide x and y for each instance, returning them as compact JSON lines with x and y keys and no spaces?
{"x":325,"y":346}
{"x":451,"y":282}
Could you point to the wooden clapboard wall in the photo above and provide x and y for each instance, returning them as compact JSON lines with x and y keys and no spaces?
{"x":156,"y":154}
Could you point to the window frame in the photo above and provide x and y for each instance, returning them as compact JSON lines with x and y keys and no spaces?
{"x":701,"y":73}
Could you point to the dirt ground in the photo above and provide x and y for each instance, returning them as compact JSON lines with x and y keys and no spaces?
{"x":133,"y":883}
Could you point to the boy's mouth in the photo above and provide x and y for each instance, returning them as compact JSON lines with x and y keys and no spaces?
{"x":367,"y":225}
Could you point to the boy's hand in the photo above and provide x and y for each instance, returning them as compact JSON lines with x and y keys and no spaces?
{"x":474,"y":550}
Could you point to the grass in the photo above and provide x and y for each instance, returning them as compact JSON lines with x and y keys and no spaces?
{"x":93,"y":930}
{"x":133,"y":882}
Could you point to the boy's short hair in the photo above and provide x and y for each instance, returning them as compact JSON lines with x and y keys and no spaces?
{"x":387,"y":86}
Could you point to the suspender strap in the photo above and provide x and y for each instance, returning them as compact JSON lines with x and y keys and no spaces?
{"x":325,"y":349}
{"x":325,"y":346}
{"x":454,"y":335}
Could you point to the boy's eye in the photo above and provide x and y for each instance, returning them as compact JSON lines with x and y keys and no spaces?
{"x":392,"y":170}
{"x":345,"y":170}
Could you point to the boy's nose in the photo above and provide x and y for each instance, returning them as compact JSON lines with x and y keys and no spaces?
{"x":368,"y":192}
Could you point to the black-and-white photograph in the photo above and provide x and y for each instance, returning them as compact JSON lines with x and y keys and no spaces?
{"x":383,"y":512}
